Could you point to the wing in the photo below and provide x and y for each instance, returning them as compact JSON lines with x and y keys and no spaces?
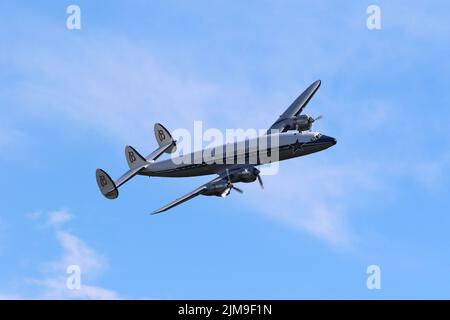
{"x":296,"y":107}
{"x":221,"y":175}
{"x":182,"y":199}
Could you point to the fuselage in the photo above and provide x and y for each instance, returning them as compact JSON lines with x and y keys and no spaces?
{"x":250,"y":151}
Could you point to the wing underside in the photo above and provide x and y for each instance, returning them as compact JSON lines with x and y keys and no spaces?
{"x":182,"y":199}
{"x":221,"y":176}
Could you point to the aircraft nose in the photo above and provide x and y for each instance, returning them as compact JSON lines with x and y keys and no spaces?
{"x":333,"y":140}
{"x":330,"y":141}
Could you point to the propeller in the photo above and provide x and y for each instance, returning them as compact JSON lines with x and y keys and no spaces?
{"x":318,"y":118}
{"x":237,"y":189}
{"x":311,"y":120}
{"x":230,"y":185}
{"x":257,"y":172}
{"x":260,"y":181}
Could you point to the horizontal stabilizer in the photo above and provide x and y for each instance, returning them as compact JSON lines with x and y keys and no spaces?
{"x":136,"y":162}
{"x":158,"y":152}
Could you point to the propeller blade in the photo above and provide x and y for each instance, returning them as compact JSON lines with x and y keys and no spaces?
{"x":318,"y":118}
{"x":228,"y":176}
{"x":237,"y":189}
{"x":231,"y":185}
{"x":260,"y":181}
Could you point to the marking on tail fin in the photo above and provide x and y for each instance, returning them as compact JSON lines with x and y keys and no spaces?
{"x":106,"y":184}
{"x":134,"y":159}
{"x":163,"y":137}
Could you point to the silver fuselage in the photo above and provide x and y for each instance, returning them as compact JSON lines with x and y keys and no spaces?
{"x":199,"y":163}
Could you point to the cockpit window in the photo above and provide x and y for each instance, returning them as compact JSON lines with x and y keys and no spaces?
{"x":316,"y":137}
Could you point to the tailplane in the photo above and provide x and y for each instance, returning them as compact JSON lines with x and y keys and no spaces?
{"x":136,"y":162}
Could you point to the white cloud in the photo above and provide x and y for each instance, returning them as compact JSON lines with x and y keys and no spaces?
{"x":120,"y":88}
{"x":122,"y":96}
{"x":57,"y":218}
{"x":116,"y":96}
{"x":75,"y":251}
{"x":315,"y":196}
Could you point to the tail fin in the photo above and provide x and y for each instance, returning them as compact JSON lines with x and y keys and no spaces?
{"x":164,"y":137}
{"x":106,"y":184}
{"x":136,"y":162}
{"x":134,"y":158}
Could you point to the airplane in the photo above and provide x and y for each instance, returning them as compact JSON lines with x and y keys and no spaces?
{"x":293,"y":130}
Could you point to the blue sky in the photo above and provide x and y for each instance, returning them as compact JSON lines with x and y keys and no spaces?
{"x":71,"y":100}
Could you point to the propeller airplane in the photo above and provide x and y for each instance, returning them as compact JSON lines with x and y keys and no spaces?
{"x":295,"y":139}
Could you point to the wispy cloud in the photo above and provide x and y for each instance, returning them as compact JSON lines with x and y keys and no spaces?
{"x":119,"y":88}
{"x":77,"y":252}
{"x":114,"y":96}
{"x":316,"y":197}
{"x":120,"y":96}
{"x":57,"y":218}
{"x":74,"y":251}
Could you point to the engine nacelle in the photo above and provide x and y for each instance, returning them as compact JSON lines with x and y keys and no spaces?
{"x":301,"y":123}
{"x":246,"y":175}
{"x":219,"y":189}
